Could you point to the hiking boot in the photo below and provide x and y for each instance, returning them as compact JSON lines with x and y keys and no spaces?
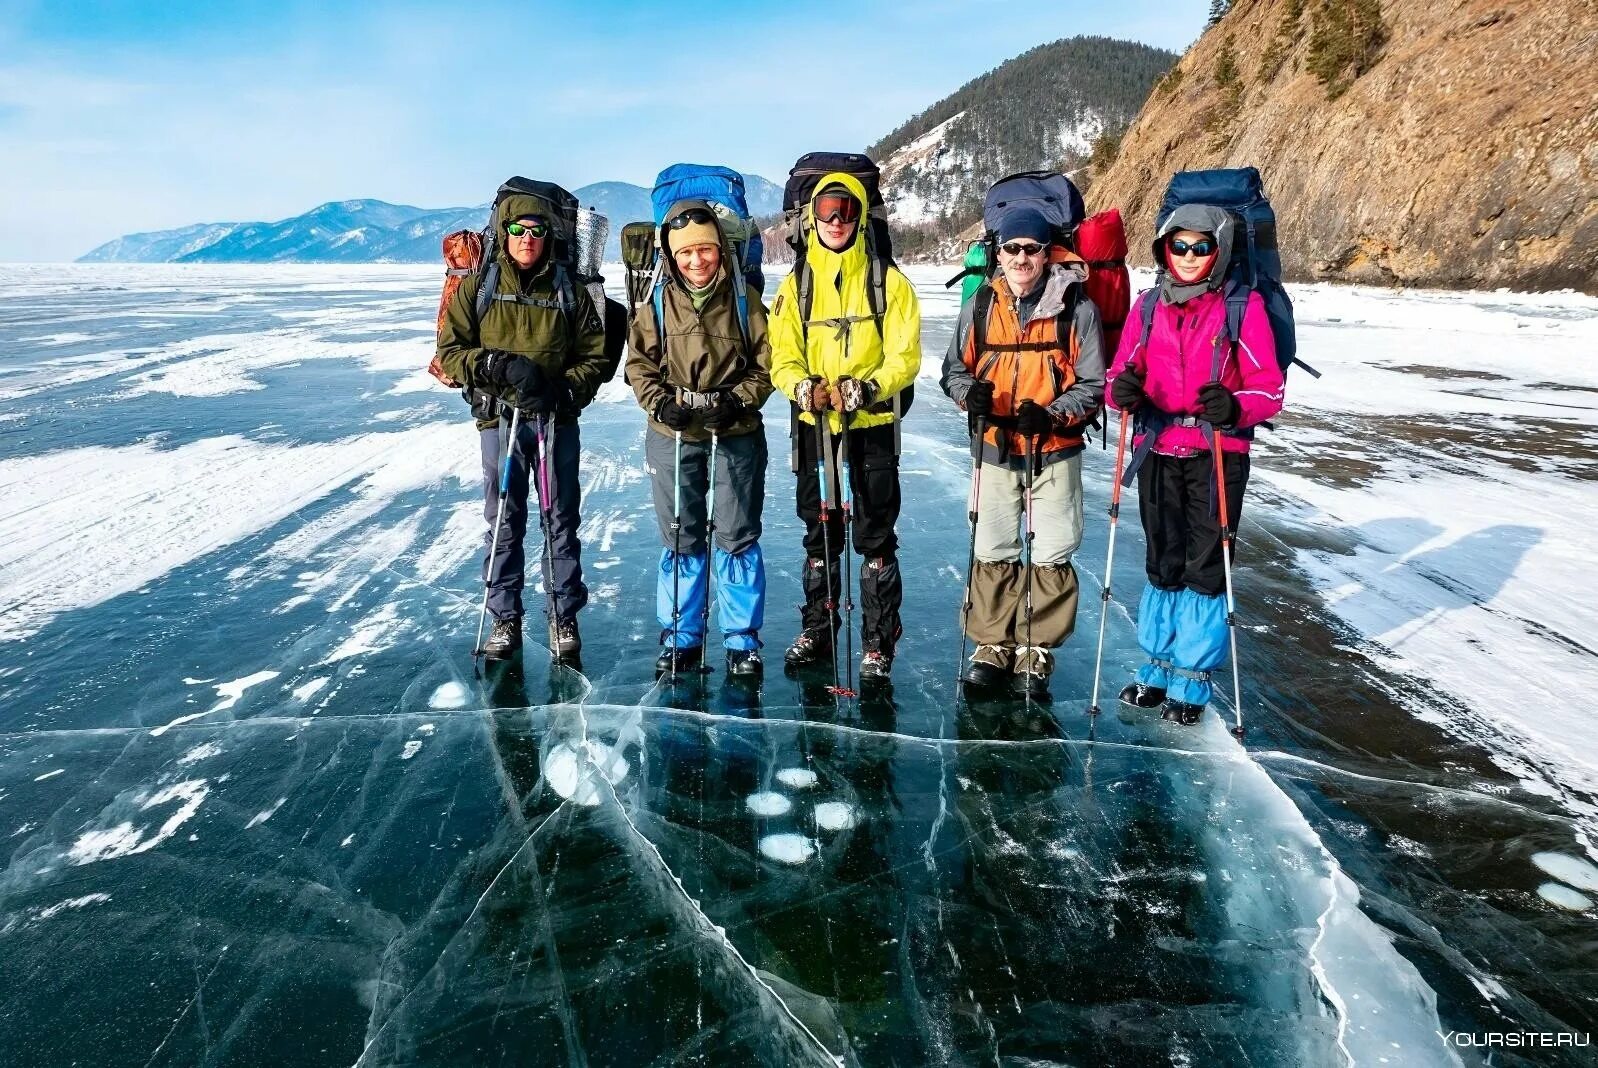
{"x":1181,"y":712}
{"x":811,"y":647}
{"x":504,"y":639}
{"x":568,"y":642}
{"x":745,"y":663}
{"x":1140,"y":695}
{"x":677,"y":661}
{"x":1033,"y":666}
{"x":989,"y":668}
{"x":876,"y":664}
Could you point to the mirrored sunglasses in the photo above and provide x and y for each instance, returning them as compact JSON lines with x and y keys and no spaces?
{"x":1204,"y":246}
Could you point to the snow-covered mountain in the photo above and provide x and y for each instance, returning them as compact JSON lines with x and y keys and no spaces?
{"x":162,"y":246}
{"x":370,"y":231}
{"x":1043,"y":109}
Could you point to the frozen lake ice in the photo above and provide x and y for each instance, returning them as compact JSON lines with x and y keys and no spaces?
{"x":258,"y":808}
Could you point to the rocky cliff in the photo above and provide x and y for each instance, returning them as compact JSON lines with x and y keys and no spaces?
{"x":1418,"y":142}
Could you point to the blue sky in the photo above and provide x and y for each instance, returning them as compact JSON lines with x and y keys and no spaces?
{"x":118,"y":117}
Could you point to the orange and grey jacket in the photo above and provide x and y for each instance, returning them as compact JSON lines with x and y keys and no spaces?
{"x":1030,"y":361}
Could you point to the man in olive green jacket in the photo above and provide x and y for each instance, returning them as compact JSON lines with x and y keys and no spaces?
{"x":539,"y":347}
{"x":702,"y":377}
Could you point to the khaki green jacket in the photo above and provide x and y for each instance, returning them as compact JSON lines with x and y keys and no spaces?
{"x":525,"y":319}
{"x":704,"y":351}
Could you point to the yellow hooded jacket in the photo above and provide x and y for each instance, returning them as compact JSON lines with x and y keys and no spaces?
{"x":842,"y":338}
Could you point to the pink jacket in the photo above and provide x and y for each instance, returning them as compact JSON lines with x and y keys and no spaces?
{"x":1181,"y":358}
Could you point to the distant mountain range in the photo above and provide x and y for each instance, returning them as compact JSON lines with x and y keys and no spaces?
{"x":371,"y":231}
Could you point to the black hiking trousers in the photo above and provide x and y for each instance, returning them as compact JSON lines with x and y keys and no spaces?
{"x":1179,"y":520}
{"x":874,"y":479}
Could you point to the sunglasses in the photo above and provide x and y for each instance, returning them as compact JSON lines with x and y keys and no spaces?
{"x":532,"y":229}
{"x":1204,"y":246}
{"x":692,"y":215}
{"x":1021,"y":248}
{"x":837,"y":207}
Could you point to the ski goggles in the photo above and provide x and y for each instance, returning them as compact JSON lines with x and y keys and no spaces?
{"x":692,"y":215}
{"x":531,"y":228}
{"x":1021,"y":248}
{"x":837,"y":207}
{"x":1204,"y":246}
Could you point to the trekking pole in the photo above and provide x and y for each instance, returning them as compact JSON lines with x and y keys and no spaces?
{"x":1227,"y":544}
{"x":546,"y":510}
{"x":676,"y":545}
{"x":824,"y":475}
{"x":848,"y":553}
{"x":971,"y":557}
{"x":499,"y":519}
{"x":1109,"y":562}
{"x":710,"y":532}
{"x":1026,"y":548}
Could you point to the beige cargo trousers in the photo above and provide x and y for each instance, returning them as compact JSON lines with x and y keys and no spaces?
{"x":998,"y":620}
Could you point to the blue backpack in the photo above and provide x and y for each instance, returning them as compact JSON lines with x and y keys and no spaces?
{"x":1256,"y":263}
{"x":721,"y":187}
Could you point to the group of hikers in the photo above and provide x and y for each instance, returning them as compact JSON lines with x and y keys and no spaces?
{"x":527,"y":334}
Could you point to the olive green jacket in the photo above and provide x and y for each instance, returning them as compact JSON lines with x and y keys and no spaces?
{"x":525,"y":318}
{"x":704,"y":351}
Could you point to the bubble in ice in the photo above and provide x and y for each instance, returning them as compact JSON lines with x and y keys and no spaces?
{"x":1564,"y":897}
{"x":450,"y":695}
{"x":575,"y":775}
{"x":797,"y":778}
{"x":571,"y":777}
{"x":1573,"y":871}
{"x":834,"y":816}
{"x":787,"y":848}
{"x":767,"y":803}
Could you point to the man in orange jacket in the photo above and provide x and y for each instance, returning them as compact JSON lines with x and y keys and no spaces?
{"x":1027,"y":363}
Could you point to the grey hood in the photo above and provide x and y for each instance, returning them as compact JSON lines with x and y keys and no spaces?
{"x":1204,"y":219}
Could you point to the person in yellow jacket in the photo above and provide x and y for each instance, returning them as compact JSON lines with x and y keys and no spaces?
{"x":844,"y":358}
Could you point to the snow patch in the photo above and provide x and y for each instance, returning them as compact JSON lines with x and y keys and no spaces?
{"x":125,"y":840}
{"x":261,"y":817}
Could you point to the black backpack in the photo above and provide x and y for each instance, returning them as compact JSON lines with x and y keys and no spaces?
{"x":573,"y":256}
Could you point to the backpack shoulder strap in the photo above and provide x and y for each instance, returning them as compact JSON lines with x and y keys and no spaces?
{"x":487,"y":284}
{"x":877,"y":283}
{"x":805,"y":292}
{"x":1145,"y":310}
{"x":981,"y":306}
{"x":1237,"y":295}
{"x":1065,"y":322}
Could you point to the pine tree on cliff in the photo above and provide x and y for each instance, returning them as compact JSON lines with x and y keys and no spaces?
{"x":1346,"y":42}
{"x":1218,"y":10}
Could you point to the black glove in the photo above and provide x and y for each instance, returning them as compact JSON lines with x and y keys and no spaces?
{"x":1220,"y":405}
{"x":1033,"y":420}
{"x":524,"y":378}
{"x":979,"y":398}
{"x":674,"y":415}
{"x":856,"y":394}
{"x":1127,"y":389}
{"x":723,"y":414}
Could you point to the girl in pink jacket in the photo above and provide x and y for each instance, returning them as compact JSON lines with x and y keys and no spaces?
{"x":1185,"y":382}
